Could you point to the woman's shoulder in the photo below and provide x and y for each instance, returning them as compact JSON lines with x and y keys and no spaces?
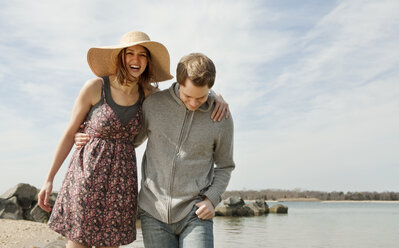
{"x":92,"y":89}
{"x":94,"y":83}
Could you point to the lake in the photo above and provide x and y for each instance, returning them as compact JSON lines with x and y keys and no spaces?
{"x":311,"y":224}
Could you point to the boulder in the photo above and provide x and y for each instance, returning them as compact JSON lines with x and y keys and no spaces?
{"x":20,"y":202}
{"x":258,"y":207}
{"x":222,"y":210}
{"x":279,"y":209}
{"x":39,"y":215}
{"x":234,"y":201}
{"x":235,"y":206}
{"x":263,"y":206}
{"x":10,"y":209}
{"x":25,"y":193}
{"x":253,"y":209}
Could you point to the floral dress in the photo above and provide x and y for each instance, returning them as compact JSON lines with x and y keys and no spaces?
{"x":97,"y":203}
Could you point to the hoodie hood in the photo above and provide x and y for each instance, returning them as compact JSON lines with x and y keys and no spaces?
{"x":205,"y":107}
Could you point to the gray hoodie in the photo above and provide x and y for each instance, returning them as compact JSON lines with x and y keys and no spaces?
{"x":188,"y":156}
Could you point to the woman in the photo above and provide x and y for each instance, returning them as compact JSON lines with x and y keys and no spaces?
{"x":97,"y":203}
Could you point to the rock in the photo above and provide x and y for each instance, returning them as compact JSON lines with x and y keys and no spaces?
{"x":278,"y":209}
{"x":234,"y":201}
{"x":10,"y":209}
{"x":237,"y":208}
{"x":263,"y":206}
{"x":252,"y":209}
{"x":243,"y":211}
{"x":35,"y":213}
{"x":232,"y":206}
{"x":222,"y":210}
{"x":20,"y":202}
{"x":39,"y":215}
{"x":258,"y":208}
{"x":25,"y":193}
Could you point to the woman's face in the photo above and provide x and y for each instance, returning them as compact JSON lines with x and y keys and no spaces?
{"x":136,"y":60}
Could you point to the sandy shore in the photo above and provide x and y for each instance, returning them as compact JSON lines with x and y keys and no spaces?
{"x":27,"y":234}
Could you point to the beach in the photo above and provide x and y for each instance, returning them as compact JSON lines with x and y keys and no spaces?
{"x":346,"y":222}
{"x":27,"y":234}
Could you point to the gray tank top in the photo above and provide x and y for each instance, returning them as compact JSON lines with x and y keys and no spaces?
{"x":124,"y":113}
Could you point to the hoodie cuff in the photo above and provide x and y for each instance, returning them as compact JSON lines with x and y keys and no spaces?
{"x":213,"y":197}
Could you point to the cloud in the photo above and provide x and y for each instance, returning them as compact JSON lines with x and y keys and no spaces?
{"x":312,"y":87}
{"x":333,"y":113}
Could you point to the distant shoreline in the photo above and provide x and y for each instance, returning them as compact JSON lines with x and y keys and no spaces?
{"x":318,"y":200}
{"x":301,"y":195}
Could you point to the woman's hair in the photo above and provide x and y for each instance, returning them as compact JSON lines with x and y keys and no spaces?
{"x":124,"y":77}
{"x":198,"y":68}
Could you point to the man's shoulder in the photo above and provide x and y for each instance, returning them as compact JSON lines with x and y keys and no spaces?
{"x":227,"y":122}
{"x":157,"y":96}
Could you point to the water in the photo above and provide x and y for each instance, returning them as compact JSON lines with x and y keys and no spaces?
{"x":311,"y":224}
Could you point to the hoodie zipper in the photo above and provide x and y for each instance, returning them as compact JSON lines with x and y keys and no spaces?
{"x":182,"y":134}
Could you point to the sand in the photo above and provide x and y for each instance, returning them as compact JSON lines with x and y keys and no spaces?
{"x":28,"y":234}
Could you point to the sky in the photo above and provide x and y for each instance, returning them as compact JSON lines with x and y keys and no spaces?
{"x":313,"y":86}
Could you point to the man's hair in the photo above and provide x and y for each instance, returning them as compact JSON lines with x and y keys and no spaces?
{"x":198,"y":68}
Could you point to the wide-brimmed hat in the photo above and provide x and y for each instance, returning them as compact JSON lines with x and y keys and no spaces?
{"x":102,"y":60}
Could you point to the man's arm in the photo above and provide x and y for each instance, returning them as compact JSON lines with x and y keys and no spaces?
{"x":224,"y":163}
{"x":81,"y":139}
{"x":221,"y":107}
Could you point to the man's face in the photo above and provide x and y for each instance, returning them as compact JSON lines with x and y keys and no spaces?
{"x":193,"y":96}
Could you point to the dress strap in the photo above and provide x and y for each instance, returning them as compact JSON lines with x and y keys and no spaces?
{"x":141,"y":94}
{"x":105,"y":88}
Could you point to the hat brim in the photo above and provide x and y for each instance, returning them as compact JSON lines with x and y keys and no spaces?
{"x":102,"y":59}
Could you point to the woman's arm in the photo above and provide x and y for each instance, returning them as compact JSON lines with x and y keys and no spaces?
{"x":221,"y":108}
{"x":88,"y":96}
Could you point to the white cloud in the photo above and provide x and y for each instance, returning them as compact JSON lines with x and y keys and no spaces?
{"x":308,"y":85}
{"x":337,"y":108}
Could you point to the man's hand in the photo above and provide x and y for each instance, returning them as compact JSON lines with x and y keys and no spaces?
{"x":205,"y":210}
{"x":81,"y":140}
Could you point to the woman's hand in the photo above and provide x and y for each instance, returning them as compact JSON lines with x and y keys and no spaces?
{"x":44,"y":196}
{"x":221,"y":109}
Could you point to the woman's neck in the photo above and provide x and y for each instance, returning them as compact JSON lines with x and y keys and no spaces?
{"x":128,"y":88}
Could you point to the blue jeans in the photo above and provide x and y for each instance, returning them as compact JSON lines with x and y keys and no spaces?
{"x":190,"y":232}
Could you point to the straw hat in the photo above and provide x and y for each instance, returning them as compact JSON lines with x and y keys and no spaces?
{"x":102,"y":59}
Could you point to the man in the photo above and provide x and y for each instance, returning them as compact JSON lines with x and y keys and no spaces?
{"x":180,"y":185}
